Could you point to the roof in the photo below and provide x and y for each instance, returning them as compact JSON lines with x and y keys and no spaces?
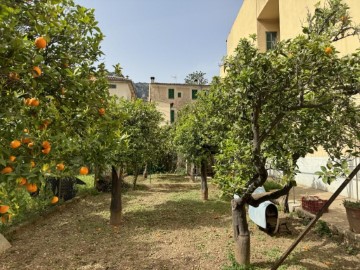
{"x":121,"y":79}
{"x":182,"y":84}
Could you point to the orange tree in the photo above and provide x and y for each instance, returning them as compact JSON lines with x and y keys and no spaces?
{"x":279,"y":105}
{"x":51,"y":93}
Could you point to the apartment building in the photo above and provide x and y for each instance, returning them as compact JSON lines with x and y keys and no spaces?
{"x":274,"y":20}
{"x":171,"y":97}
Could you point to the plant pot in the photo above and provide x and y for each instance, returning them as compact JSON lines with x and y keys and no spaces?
{"x":353,"y":216}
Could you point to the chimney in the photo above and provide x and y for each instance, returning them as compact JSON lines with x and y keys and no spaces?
{"x":152,"y":79}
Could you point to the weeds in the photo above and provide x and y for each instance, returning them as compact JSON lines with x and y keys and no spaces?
{"x":322,"y":229}
{"x":234,"y":265}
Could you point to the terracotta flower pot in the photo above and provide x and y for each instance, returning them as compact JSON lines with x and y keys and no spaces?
{"x":353,"y":216}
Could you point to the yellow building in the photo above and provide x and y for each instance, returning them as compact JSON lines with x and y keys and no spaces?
{"x":171,"y":97}
{"x":121,"y":87}
{"x":274,"y":20}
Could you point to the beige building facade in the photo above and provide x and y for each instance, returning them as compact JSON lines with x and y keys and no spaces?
{"x":274,"y":20}
{"x":171,"y":97}
{"x":121,"y":87}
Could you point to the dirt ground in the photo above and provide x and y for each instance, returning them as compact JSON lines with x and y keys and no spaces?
{"x":165,"y":225}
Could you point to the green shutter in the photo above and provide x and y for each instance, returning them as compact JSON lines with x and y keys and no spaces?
{"x":194,"y":94}
{"x":171,"y":93}
{"x":172,"y":116}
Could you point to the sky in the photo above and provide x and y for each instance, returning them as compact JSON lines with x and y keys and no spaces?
{"x":166,"y":39}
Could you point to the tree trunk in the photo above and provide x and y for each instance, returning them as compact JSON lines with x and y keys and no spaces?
{"x":145,"y":173}
{"x":241,"y":234}
{"x":96,"y":175}
{"x":286,"y":203}
{"x":116,"y":205}
{"x":192,"y":172}
{"x":136,"y":173}
{"x":204,"y":186}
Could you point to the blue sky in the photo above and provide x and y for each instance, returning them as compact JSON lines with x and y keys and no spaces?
{"x":166,"y":39}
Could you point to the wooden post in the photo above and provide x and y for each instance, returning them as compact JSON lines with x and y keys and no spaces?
{"x":318,"y":215}
{"x":116,"y":204}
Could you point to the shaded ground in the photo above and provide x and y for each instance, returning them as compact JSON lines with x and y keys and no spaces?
{"x":165,"y":226}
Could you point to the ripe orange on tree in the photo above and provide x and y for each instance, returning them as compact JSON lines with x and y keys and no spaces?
{"x":12,"y":158}
{"x":84,"y":170}
{"x":6,"y":170}
{"x":26,"y":140}
{"x":46,"y":144}
{"x":40,"y":42}
{"x":31,"y":187}
{"x":328,"y":50}
{"x":60,"y":166}
{"x":36,"y":71}
{"x":34,"y":102}
{"x":54,"y":199}
{"x":5,"y":218}
{"x":4,"y":209}
{"x":15,"y":144}
{"x":32,"y":164}
{"x":46,"y":150}
{"x":22,"y":180}
{"x":101,"y":111}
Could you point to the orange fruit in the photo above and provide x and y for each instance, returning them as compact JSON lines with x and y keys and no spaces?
{"x":12,"y":158}
{"x":15,"y":144}
{"x":14,"y":76}
{"x":36,"y":71}
{"x":6,"y":170}
{"x":46,"y":150}
{"x":40,"y":42}
{"x":328,"y":50}
{"x":31,"y":187}
{"x":60,"y":166}
{"x":30,"y":144}
{"x":26,"y":140}
{"x":5,"y":218}
{"x":54,"y":199}
{"x":32,"y":164}
{"x":22,"y":180}
{"x":46,"y":144}
{"x":101,"y":111}
{"x":4,"y":209}
{"x":34,"y":102}
{"x":26,"y":130}
{"x":27,"y":101}
{"x":84,"y":170}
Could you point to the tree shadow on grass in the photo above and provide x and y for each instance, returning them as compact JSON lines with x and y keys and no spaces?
{"x":181,"y":214}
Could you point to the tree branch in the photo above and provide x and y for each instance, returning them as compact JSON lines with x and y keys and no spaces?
{"x":256,"y":199}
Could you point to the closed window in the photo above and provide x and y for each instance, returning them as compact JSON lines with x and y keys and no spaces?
{"x":112,"y":85}
{"x":270,"y":40}
{"x":194,"y":94}
{"x":179,"y":94}
{"x":171,"y":93}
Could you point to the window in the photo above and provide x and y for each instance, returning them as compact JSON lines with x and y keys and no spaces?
{"x":172,"y":116}
{"x":179,"y":94}
{"x":270,"y":40}
{"x":112,"y":85}
{"x":194,"y":94}
{"x":171,"y":93}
